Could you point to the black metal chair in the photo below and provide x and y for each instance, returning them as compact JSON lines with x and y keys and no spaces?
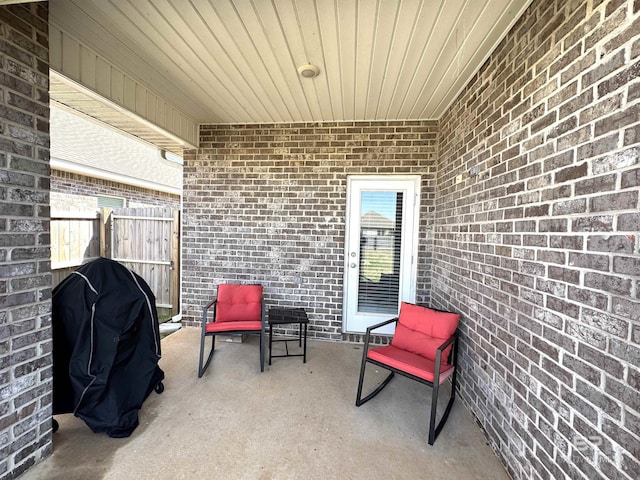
{"x":237,"y":309}
{"x":423,"y":343}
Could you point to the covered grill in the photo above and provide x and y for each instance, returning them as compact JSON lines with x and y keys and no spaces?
{"x":106,"y":346}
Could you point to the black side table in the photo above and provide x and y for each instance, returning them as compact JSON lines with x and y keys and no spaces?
{"x":281,"y":316}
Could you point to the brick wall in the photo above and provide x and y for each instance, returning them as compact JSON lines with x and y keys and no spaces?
{"x":66,"y":185}
{"x":267,"y":204}
{"x":537,"y":241}
{"x":25,"y":279}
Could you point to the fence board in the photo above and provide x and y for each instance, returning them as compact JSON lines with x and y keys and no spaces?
{"x":141,"y":239}
{"x":74,"y":240}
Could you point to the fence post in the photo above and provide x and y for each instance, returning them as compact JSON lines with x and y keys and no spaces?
{"x":105,"y":218}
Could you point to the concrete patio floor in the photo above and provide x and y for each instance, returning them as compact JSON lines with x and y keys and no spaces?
{"x":294,"y":421}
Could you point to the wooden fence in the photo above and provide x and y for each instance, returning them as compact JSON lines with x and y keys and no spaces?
{"x":75,"y":239}
{"x":146,"y":240}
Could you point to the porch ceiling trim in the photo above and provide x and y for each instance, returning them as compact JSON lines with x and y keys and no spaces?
{"x":72,"y":167}
{"x":86,"y":81}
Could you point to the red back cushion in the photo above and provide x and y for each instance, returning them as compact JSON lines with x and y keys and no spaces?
{"x":239,"y":303}
{"x":422,"y":330}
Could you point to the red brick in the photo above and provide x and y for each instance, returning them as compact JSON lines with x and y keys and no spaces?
{"x":601,"y":108}
{"x":564,"y":274}
{"x":616,"y":161}
{"x":627,"y":308}
{"x":626,"y":266}
{"x":566,"y":242}
{"x":629,"y":222}
{"x":619,"y":80}
{"x":616,"y":121}
{"x":553,"y":225}
{"x":587,"y":297}
{"x":583,"y":369}
{"x":615,"y":201}
{"x":607,"y":283}
{"x":568,"y":207}
{"x":603,"y":69}
{"x":590,"y":261}
{"x":631,"y":178}
{"x":603,"y":223}
{"x":605,"y":28}
{"x":571,"y":173}
{"x":611,"y":243}
{"x":602,"y":146}
{"x":578,"y":404}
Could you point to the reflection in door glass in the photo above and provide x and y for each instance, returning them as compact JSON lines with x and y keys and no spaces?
{"x":380,"y":242}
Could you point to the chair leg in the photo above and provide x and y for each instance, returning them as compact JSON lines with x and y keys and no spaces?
{"x":304,"y":351}
{"x":434,"y":408}
{"x":361,"y":378}
{"x":200,"y":372}
{"x":201,"y":367}
{"x":262,"y":352}
{"x":270,"y":342}
{"x":434,"y":430}
{"x":378,"y":389}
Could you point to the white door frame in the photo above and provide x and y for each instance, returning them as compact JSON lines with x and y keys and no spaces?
{"x":410,"y":184}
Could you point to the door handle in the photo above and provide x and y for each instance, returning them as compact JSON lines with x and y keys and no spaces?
{"x":353,"y":265}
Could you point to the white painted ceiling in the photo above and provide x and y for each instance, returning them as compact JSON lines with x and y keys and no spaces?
{"x":235,"y":61}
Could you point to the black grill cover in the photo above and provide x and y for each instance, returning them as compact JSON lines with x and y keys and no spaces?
{"x":106,"y":346}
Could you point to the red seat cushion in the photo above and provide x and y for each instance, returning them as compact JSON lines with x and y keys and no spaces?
{"x":239,"y":303}
{"x":421,"y":330}
{"x":220,"y":327}
{"x":411,"y":363}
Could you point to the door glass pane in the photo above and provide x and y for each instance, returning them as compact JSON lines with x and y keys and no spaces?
{"x":380,"y":242}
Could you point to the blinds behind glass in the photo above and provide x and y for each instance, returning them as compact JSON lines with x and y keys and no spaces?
{"x":380,"y":246}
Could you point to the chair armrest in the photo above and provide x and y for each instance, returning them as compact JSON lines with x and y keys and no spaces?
{"x":373,"y":327}
{"x":381,"y":324}
{"x":446,"y":343}
{"x":213,"y":302}
{"x":441,"y":348}
{"x":204,"y":312}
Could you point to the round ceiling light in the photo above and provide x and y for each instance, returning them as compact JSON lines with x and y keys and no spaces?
{"x":308,"y":71}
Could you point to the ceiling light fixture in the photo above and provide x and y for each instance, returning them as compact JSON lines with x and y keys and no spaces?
{"x":308,"y":71}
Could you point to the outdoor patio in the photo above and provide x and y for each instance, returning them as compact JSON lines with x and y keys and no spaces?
{"x":293,"y":421}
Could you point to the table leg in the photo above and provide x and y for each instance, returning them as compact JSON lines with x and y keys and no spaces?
{"x":304,"y":354}
{"x":270,"y":341}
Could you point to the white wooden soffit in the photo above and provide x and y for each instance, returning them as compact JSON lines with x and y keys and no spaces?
{"x":236,"y":61}
{"x":86,"y":81}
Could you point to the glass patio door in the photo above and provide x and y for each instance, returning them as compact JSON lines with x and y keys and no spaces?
{"x":380,"y":249}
